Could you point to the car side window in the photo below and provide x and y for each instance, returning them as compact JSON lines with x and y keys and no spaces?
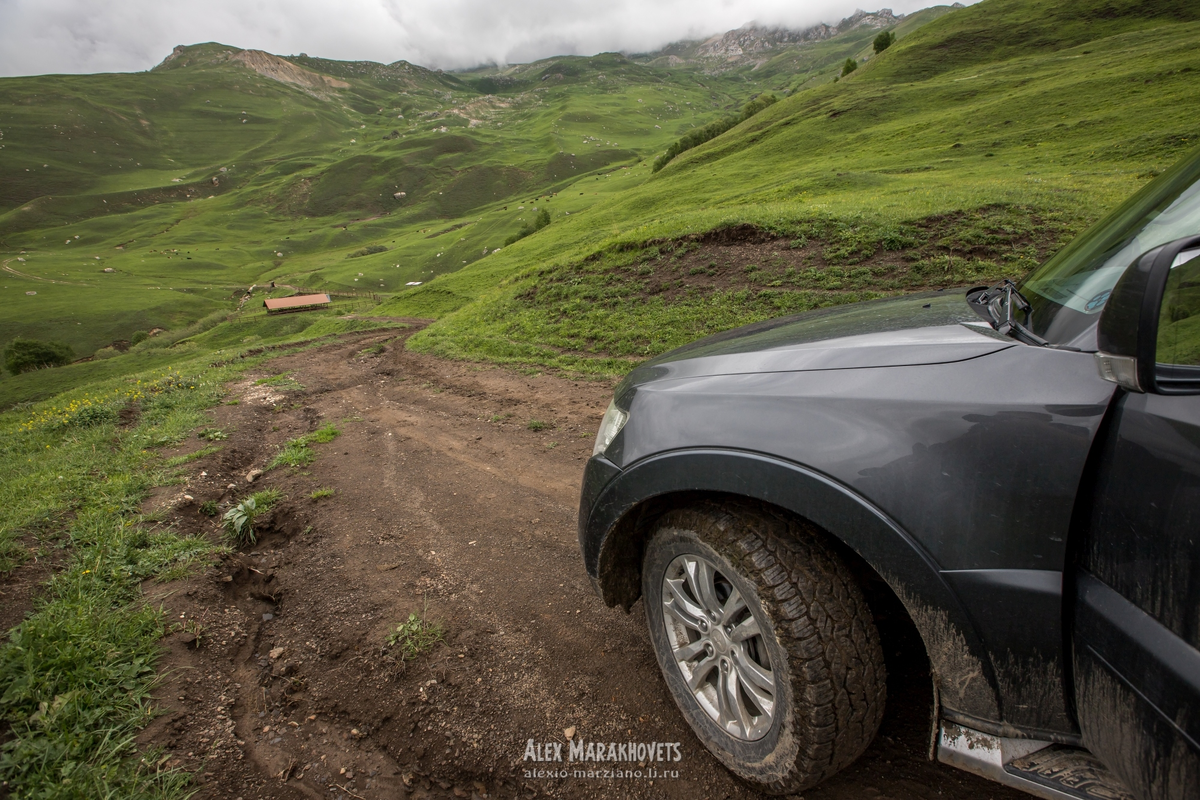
{"x":1179,"y":319}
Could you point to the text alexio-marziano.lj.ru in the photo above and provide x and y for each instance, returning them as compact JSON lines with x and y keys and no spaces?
{"x":579,"y":751}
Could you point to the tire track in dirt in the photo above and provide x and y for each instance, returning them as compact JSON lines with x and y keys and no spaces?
{"x":446,"y":504}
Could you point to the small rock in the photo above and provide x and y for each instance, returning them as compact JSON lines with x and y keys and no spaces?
{"x":268,"y":617}
{"x":188,"y":639}
{"x":231,"y":486}
{"x":252,"y":475}
{"x":188,"y":497}
{"x":276,"y":652}
{"x":569,"y":732}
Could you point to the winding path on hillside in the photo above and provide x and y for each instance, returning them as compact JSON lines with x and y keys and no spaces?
{"x":7,"y":268}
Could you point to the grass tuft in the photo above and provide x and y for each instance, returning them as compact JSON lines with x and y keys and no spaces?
{"x":298,"y":452}
{"x":283,"y":381}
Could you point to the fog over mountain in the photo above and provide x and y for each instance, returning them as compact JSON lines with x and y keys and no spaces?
{"x":80,"y":36}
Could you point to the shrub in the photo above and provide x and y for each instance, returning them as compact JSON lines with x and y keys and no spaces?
{"x":239,"y":520}
{"x":849,"y":67}
{"x":884,"y":40}
{"x":26,"y":355}
{"x":540,"y":221}
{"x":369,"y":250}
{"x":139,"y":337}
{"x":713,"y":129}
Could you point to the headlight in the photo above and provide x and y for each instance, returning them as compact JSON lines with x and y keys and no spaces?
{"x":610,"y":426}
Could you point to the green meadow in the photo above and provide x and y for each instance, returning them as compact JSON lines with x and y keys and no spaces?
{"x":996,"y":151}
{"x":202,"y":177}
{"x":221,"y":169}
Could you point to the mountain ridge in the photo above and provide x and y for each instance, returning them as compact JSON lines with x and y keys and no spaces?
{"x":752,"y":40}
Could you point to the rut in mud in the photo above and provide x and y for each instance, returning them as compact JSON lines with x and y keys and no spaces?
{"x":451,"y":502}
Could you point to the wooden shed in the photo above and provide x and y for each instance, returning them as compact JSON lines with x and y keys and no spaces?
{"x":300,"y":302}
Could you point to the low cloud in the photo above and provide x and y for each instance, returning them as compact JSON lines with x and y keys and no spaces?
{"x":82,"y":36}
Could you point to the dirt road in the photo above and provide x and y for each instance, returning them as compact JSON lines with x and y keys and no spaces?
{"x":448,"y":503}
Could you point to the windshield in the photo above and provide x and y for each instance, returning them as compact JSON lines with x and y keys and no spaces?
{"x":1068,"y":292}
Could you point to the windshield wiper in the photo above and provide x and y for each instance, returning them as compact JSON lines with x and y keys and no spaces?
{"x":1000,"y":308}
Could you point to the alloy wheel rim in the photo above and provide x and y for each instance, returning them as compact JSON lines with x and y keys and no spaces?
{"x":718,"y":647}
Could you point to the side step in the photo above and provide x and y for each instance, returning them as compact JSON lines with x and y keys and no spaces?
{"x":1049,"y":771}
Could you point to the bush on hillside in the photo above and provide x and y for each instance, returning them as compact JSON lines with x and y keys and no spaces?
{"x":884,"y":40}
{"x":714,"y":129}
{"x":26,"y":355}
{"x":540,"y":221}
{"x":139,"y":337}
{"x":369,"y":250}
{"x":849,"y":67}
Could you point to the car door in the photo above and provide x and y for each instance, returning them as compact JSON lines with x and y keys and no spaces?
{"x":1136,"y":633}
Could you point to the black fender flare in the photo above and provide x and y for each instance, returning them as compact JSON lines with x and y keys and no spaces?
{"x":611,"y":533}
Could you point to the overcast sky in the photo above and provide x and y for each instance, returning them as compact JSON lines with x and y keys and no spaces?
{"x":50,"y":36}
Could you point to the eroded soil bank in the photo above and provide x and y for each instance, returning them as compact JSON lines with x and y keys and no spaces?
{"x":447,"y":503}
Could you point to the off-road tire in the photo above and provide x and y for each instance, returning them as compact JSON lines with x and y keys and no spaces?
{"x":818,"y":630}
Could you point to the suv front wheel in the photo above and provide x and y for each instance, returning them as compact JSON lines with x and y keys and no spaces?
{"x":766,"y":643}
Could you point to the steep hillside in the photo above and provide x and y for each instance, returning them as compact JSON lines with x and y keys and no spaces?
{"x":900,"y":176}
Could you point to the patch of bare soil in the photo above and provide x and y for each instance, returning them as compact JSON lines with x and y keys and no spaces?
{"x":277,"y":682}
{"x":20,"y":587}
{"x":936,"y":252}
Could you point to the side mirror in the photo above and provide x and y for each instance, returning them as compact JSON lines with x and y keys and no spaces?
{"x":1149,"y":331}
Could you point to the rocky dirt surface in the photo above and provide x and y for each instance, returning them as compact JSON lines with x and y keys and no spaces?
{"x":452,"y":504}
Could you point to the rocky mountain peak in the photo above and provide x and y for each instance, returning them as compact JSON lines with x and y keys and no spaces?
{"x":753,"y":39}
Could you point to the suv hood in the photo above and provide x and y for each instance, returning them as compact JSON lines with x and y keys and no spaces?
{"x":928,"y":328}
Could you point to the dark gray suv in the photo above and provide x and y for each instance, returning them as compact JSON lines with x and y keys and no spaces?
{"x":1015,"y":467}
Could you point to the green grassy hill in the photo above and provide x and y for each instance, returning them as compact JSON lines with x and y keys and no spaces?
{"x":967,"y":150}
{"x":964,"y":153}
{"x":221,"y":168}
